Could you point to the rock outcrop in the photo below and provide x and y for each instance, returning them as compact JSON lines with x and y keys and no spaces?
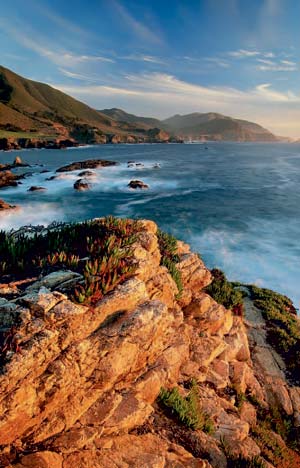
{"x":81,"y":185}
{"x":36,"y":188}
{"x":137,"y":184}
{"x":6,"y":206}
{"x":87,"y":164}
{"x":80,"y":385}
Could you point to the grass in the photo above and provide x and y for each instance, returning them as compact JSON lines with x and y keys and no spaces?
{"x":187,"y":409}
{"x":100,"y":250}
{"x":169,"y":257}
{"x":224,"y":292}
{"x":20,"y":134}
{"x":283,"y":325}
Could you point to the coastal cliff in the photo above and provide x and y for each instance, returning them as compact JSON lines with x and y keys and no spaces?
{"x":146,"y":370}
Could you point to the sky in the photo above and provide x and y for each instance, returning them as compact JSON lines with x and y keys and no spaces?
{"x":158,"y":58}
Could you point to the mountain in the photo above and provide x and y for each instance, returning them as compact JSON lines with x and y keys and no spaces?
{"x":121,"y":116}
{"x":30,"y":105}
{"x":203,"y":126}
{"x":213,"y":126}
{"x":33,"y":110}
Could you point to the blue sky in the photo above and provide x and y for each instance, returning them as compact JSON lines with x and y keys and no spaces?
{"x":158,"y":58}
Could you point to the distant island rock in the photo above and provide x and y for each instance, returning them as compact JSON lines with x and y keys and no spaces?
{"x":35,"y":188}
{"x":88,"y":164}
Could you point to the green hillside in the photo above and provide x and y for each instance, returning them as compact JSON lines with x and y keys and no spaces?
{"x":32,"y":109}
{"x":30,"y":105}
{"x":121,"y":116}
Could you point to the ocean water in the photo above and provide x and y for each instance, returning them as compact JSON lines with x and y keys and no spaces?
{"x":237,"y":204}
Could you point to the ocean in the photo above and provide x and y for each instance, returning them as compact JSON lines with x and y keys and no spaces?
{"x":237,"y":204}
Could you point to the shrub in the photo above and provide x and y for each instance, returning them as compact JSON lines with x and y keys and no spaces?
{"x":223,"y":292}
{"x":100,"y":250}
{"x":283,"y":325}
{"x":186,"y":409}
{"x":169,"y":257}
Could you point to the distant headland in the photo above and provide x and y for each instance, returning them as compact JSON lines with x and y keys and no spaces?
{"x":35,"y":115}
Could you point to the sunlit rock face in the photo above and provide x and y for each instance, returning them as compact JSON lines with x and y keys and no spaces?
{"x":80,"y":385}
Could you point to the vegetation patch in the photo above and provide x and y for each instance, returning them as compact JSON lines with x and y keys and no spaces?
{"x":224,"y":292}
{"x":240,"y":461}
{"x":283,"y":326}
{"x":169,"y":257}
{"x":271,"y":423}
{"x":186,"y":410}
{"x":100,"y":250}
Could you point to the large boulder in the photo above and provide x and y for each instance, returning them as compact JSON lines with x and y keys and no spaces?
{"x":137,"y":184}
{"x":81,"y":185}
{"x":6,"y":206}
{"x":35,"y":188}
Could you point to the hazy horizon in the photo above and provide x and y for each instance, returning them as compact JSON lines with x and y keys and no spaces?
{"x":157,"y":60}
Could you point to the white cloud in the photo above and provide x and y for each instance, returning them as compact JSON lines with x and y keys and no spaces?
{"x":161,"y":95}
{"x":266,"y":62}
{"x":217,"y":61}
{"x":243,"y":53}
{"x":268,"y":55}
{"x":266,"y":92}
{"x":143,"y":58}
{"x":278,"y":68}
{"x":78,"y":76}
{"x":164,"y":86}
{"x":288,"y":62}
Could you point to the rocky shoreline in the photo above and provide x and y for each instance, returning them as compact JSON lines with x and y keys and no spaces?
{"x":15,"y":143}
{"x":156,"y":364}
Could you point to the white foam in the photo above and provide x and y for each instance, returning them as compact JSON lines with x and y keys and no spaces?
{"x":251,"y":255}
{"x":31,"y":213}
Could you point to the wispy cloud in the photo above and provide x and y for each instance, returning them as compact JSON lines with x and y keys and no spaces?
{"x":79,"y":76}
{"x":280,"y":66}
{"x":243,"y":53}
{"x":266,"y":62}
{"x":218,"y":61}
{"x":164,"y":85}
{"x":268,"y":54}
{"x":269,"y":94}
{"x":59,"y":57}
{"x":144,"y":58}
{"x":288,"y":62}
{"x":253,"y":53}
{"x":162,"y":94}
{"x":136,"y":26}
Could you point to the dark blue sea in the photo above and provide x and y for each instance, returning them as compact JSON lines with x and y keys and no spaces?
{"x":237,"y":204}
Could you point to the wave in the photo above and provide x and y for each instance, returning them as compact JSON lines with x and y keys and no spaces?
{"x":31,"y":213}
